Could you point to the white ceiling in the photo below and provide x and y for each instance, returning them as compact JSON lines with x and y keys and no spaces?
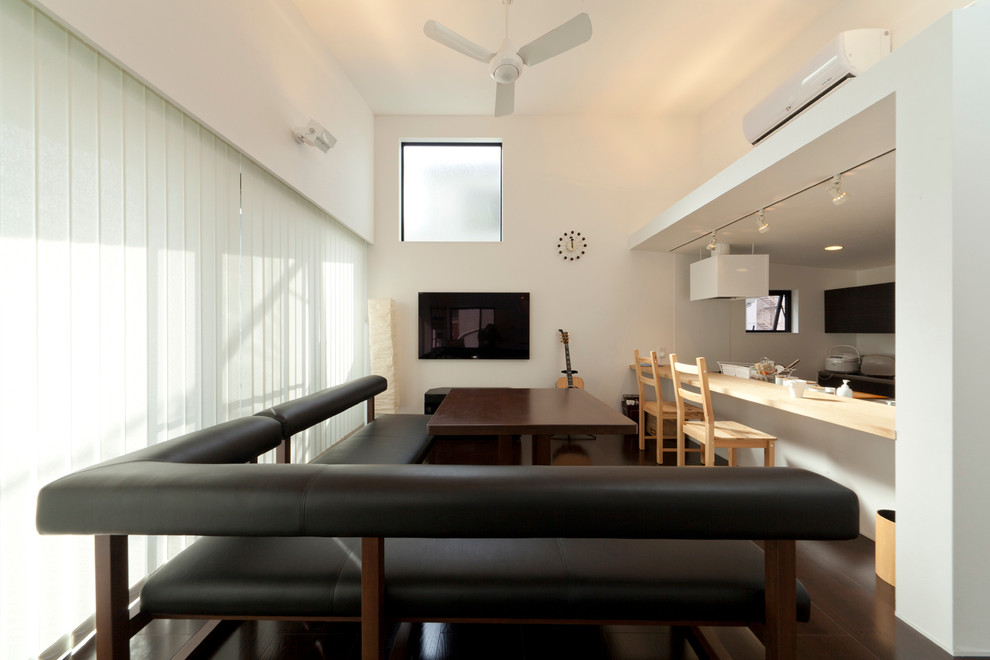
{"x":802,"y":225}
{"x":645,"y":58}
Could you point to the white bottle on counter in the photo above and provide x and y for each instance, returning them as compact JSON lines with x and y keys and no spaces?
{"x":844,"y":390}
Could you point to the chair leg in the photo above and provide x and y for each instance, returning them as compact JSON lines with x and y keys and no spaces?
{"x":768,"y":455}
{"x":733,"y":459}
{"x":710,"y":453}
{"x":659,"y":440}
{"x":642,"y":428}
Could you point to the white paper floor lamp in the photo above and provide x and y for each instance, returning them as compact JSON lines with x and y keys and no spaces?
{"x":381,"y":340}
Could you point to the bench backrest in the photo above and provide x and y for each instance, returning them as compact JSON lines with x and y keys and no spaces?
{"x":302,"y":413}
{"x":237,"y":441}
{"x":448,"y":501}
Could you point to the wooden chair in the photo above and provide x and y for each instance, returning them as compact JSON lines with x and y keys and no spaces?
{"x":648,"y":375}
{"x":710,"y":433}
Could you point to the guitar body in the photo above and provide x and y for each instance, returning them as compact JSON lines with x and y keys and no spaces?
{"x":576,"y":381}
{"x":569,"y":380}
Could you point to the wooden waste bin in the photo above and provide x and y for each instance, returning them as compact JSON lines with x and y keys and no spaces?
{"x":885,"y":560}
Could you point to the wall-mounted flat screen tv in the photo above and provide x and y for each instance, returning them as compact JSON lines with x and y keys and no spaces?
{"x":474,"y":326}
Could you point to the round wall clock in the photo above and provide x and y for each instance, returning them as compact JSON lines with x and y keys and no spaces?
{"x":572,"y":245}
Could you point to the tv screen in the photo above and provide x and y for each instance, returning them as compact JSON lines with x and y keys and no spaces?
{"x":474,"y":326}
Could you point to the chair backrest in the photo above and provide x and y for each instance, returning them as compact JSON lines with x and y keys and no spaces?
{"x":703,"y":397}
{"x":644,"y":375}
{"x":655,"y":369}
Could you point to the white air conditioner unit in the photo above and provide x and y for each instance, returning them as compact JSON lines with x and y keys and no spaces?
{"x":849,"y":54}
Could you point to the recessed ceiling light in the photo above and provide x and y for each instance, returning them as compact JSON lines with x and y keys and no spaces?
{"x":833,"y":248}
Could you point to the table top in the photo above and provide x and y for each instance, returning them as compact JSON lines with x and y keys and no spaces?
{"x":526,"y":411}
{"x":860,"y":414}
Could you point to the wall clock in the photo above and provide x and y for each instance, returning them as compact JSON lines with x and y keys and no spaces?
{"x":572,"y":245}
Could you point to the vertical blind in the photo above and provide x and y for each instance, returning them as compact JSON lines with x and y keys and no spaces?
{"x":153,"y":281}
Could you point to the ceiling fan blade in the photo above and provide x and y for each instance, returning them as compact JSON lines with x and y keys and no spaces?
{"x":451,"y":39}
{"x":505,"y":98}
{"x":572,"y":33}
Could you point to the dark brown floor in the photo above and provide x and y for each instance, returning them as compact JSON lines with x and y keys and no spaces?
{"x":852,"y":610}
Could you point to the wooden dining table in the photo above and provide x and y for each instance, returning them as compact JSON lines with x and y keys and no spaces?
{"x":538,"y":412}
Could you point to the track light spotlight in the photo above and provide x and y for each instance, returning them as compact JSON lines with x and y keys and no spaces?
{"x":315,"y":135}
{"x":762,"y":225}
{"x":839,"y":196}
{"x":712,"y":243}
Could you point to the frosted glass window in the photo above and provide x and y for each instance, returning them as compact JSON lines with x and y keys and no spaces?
{"x":452,"y":192}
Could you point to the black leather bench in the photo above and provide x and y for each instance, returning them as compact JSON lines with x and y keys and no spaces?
{"x":530,"y":579}
{"x":389,"y":439}
{"x":380,"y":542}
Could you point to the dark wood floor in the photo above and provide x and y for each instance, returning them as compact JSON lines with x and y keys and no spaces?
{"x":852,"y":610}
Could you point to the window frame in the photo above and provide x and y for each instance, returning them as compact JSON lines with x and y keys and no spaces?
{"x":447,"y":143}
{"x":787,"y":297}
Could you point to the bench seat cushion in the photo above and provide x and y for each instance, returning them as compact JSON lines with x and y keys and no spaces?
{"x":389,"y":439}
{"x":436,"y":579}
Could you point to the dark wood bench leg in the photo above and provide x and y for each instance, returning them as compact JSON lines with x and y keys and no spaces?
{"x":505,"y":450}
{"x":541,"y":449}
{"x":780,"y":634}
{"x":283,"y":453}
{"x":113,"y":625}
{"x":372,"y":598}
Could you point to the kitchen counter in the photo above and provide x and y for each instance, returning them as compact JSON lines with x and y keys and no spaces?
{"x":874,"y":417}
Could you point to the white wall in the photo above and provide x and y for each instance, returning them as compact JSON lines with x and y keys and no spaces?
{"x":701,"y":326}
{"x":940,"y":87}
{"x":810,"y":344}
{"x":969,"y":271}
{"x":716,"y":330}
{"x":861,"y":461}
{"x":599,"y":177}
{"x":942,"y":137}
{"x":721,"y":136}
{"x":250,"y":70}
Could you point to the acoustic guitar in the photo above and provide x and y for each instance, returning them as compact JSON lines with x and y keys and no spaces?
{"x":570,"y":380}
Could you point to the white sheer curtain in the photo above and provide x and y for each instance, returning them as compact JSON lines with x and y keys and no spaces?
{"x":153,"y":281}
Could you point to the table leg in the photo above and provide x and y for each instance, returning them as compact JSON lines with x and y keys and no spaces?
{"x":505,"y":450}
{"x":541,"y":449}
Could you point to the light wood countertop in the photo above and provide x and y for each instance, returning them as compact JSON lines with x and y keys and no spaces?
{"x":873,"y":417}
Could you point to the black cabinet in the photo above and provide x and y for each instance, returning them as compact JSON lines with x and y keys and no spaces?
{"x":434,"y":398}
{"x":860,"y":309}
{"x":858,"y":382}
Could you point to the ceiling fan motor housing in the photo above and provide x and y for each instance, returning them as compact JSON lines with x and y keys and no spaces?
{"x":506,"y":66}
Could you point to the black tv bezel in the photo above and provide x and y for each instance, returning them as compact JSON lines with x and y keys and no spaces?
{"x":520,"y":300}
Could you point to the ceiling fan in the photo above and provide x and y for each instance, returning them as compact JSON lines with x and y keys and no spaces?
{"x":507,"y":64}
